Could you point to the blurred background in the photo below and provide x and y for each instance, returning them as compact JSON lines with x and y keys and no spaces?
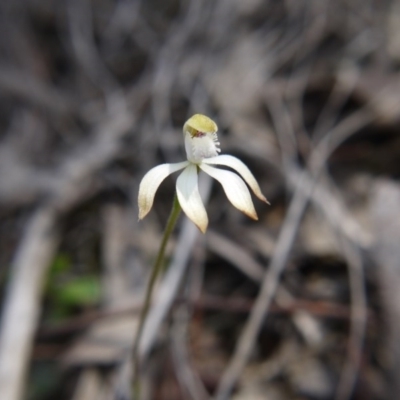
{"x":303,"y":304}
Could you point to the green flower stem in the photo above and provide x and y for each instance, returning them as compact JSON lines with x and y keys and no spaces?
{"x":155,"y":272}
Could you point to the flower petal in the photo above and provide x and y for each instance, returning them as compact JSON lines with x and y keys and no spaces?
{"x":241,"y":169}
{"x":235,"y":189}
{"x":150,"y":183}
{"x":189,"y":197}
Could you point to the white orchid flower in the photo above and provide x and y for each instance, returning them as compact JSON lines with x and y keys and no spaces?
{"x":202,"y":148}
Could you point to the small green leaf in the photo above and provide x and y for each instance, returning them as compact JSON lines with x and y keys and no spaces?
{"x":82,"y":291}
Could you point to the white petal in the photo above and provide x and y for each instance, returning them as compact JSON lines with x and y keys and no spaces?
{"x":189,"y":197}
{"x":235,"y":189}
{"x":203,"y":146}
{"x":150,"y":183}
{"x":241,"y":169}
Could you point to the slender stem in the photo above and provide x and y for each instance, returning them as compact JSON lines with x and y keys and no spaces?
{"x":157,"y":268}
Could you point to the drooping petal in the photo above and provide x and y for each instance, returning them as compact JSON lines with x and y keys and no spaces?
{"x":189,"y":197}
{"x":150,"y":183}
{"x":235,"y":189}
{"x":241,"y":169}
